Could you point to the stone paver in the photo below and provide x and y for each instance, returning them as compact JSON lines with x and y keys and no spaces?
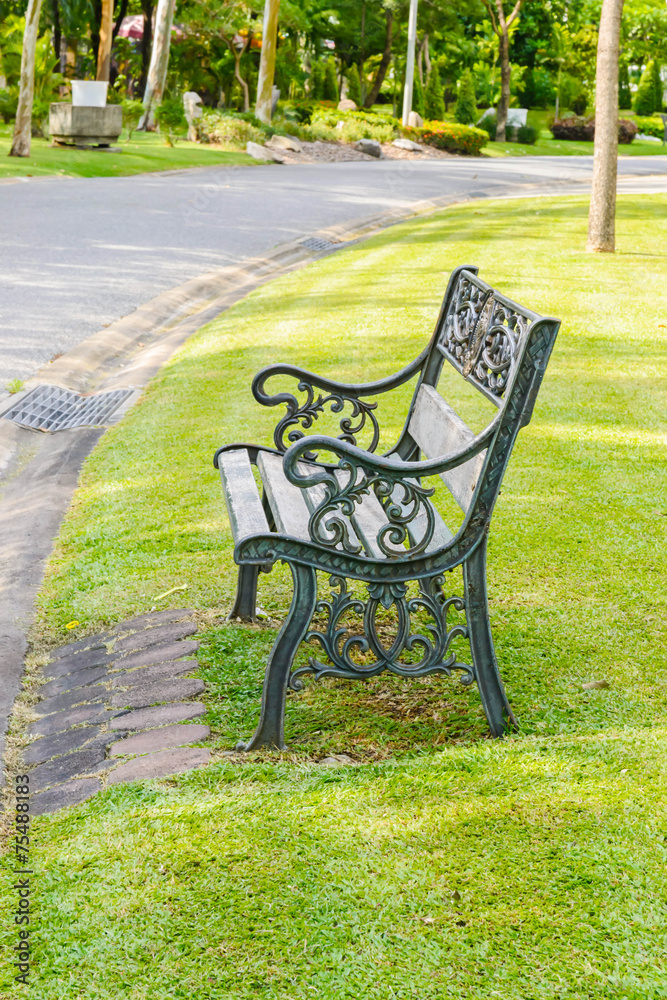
{"x":68,"y":794}
{"x":74,"y":664}
{"x":146,"y":675}
{"x":154,"y":636}
{"x":69,"y":699}
{"x":159,"y":765}
{"x":52,"y":746}
{"x":88,"y":642}
{"x":70,"y":766}
{"x":160,"y":739}
{"x":154,"y":618}
{"x":152,"y":694}
{"x":156,"y":654}
{"x":69,"y":682}
{"x":160,"y":715}
{"x":60,"y":722}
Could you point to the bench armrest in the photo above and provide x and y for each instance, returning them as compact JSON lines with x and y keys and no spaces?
{"x":300,"y":416}
{"x":394,"y":483}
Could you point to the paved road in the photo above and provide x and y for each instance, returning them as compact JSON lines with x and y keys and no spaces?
{"x":77,"y":254}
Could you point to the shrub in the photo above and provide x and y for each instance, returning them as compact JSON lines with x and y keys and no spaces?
{"x":627,"y":130}
{"x":326,"y":124}
{"x":8,"y":105}
{"x":434,"y":104}
{"x":624,"y":95}
{"x":526,"y":134}
{"x":453,"y":137}
{"x":171,"y":120}
{"x":580,"y":103}
{"x":644,"y":102}
{"x":330,"y":81}
{"x":651,"y":126}
{"x":657,"y":83}
{"x":465,"y":111}
{"x":418,"y":97}
{"x":576,"y":129}
{"x":317,"y":80}
{"x":132,"y":112}
{"x":354,"y":85}
{"x":227,"y":129}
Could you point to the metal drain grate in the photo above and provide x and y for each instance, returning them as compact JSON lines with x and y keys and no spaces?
{"x":317,"y":244}
{"x":50,"y":408}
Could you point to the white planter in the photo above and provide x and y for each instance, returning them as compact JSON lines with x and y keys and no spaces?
{"x":89,"y":93}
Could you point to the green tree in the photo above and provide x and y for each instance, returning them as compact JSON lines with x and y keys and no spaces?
{"x":657,"y":83}
{"x":644,"y":100}
{"x":434,"y":105}
{"x":331,"y":81}
{"x":317,"y":80}
{"x":624,"y":95}
{"x":354,"y":85}
{"x":465,"y":111}
{"x":418,"y":96}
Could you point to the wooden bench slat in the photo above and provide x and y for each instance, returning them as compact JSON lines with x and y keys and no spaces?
{"x":287,"y":501}
{"x":438,"y":429}
{"x":244,"y":504}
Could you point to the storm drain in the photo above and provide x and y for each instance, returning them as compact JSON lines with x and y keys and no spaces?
{"x":50,"y":408}
{"x":319,"y":245}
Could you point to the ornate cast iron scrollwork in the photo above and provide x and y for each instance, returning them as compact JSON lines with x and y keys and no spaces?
{"x":300,"y":417}
{"x":339,"y":642}
{"x":482,"y":336}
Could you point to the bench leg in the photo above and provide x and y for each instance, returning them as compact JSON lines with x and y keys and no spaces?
{"x":246,"y":595}
{"x":270,"y":731}
{"x":494,"y":700}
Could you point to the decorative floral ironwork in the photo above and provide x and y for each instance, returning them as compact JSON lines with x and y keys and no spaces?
{"x":482,"y":336}
{"x":340,"y":642}
{"x":301,"y":417}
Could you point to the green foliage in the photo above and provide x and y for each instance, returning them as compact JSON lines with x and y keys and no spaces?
{"x":316,"y":88}
{"x":14,"y":385}
{"x":418,"y":96}
{"x":170,"y":117}
{"x":354,"y":85}
{"x":8,"y":105}
{"x":657,"y":84}
{"x":526,"y":134}
{"x":434,"y":104}
{"x":132,"y":112}
{"x":489,"y":125}
{"x":453,"y":137}
{"x":465,"y":111}
{"x":650,"y":126}
{"x":331,"y":92}
{"x":227,"y":129}
{"x":325,"y":124}
{"x":624,"y":95}
{"x":644,"y":102}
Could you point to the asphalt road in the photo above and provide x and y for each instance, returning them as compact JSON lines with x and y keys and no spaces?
{"x":77,"y":254}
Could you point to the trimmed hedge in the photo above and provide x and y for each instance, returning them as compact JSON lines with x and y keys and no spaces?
{"x":450,"y":136}
{"x":580,"y":129}
{"x":651,"y":126}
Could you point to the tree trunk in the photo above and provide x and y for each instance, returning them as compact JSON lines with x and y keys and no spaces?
{"x":122,"y":14}
{"x":157,"y":72}
{"x":504,"y":102}
{"x":104,"y":50}
{"x":146,"y":40}
{"x":602,"y":212}
{"x":267,"y":65}
{"x":372,"y":95}
{"x":57,"y":33}
{"x":238,"y":53}
{"x":23,"y":124}
{"x":410,"y":62}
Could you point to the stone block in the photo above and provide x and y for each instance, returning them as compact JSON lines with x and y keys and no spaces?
{"x":160,"y":739}
{"x":95,"y":693}
{"x":160,"y":765}
{"x":157,"y":654}
{"x":60,"y":722}
{"x":71,"y":765}
{"x":160,"y":715}
{"x":159,"y":671}
{"x":69,"y":682}
{"x":408,"y":144}
{"x":53,"y":746}
{"x":284,"y":142}
{"x":153,"y":636}
{"x":371,"y":147}
{"x":153,"y":618}
{"x":68,"y":794}
{"x":85,"y":126}
{"x":81,"y":661}
{"x":152,"y":694}
{"x":89,"y":642}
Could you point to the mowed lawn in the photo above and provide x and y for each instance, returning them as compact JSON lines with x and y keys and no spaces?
{"x":439,"y":863}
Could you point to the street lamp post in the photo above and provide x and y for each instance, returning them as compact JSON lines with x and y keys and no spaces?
{"x":410,"y":64}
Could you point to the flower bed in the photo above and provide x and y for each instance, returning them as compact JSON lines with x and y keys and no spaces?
{"x":450,"y":136}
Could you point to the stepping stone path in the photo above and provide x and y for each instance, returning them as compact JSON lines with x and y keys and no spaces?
{"x":117,"y":707}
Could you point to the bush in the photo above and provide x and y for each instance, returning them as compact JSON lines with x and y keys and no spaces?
{"x":450,"y":136}
{"x":418,"y":97}
{"x":579,"y":129}
{"x":657,"y":83}
{"x":171,"y":120}
{"x":330,"y":81}
{"x":580,"y":103}
{"x":354,"y":85}
{"x":465,"y":111}
{"x":226,"y":129}
{"x":644,"y":102}
{"x":489,"y":125}
{"x":651,"y":126}
{"x":316,"y":82}
{"x":132,"y":112}
{"x":356,"y":125}
{"x":434,"y":104}
{"x":526,"y":134}
{"x":8,"y":105}
{"x":624,"y":95}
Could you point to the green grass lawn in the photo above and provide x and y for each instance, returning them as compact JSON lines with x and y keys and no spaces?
{"x":439,"y":864}
{"x":546,"y":145}
{"x":145,"y":152}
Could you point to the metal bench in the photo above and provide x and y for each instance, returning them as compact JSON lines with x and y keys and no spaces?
{"x":358,"y":516}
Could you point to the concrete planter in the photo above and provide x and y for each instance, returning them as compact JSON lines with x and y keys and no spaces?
{"x":85,"y":126}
